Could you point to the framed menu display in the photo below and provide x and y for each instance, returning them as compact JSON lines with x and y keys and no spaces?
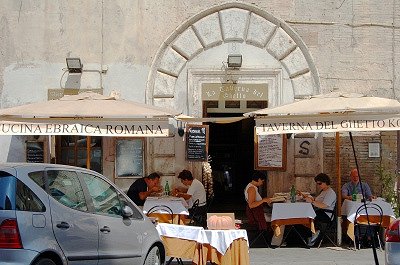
{"x":34,"y":152}
{"x":270,"y":152}
{"x":197,"y":142}
{"x":129,"y":158}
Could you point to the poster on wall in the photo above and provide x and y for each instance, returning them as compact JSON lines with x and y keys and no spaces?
{"x":129,"y":158}
{"x":197,"y":142}
{"x":270,"y":152}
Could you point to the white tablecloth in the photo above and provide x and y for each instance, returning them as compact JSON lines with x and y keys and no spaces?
{"x":349,"y":208}
{"x":282,"y":211}
{"x":218,"y":239}
{"x":177,"y":205}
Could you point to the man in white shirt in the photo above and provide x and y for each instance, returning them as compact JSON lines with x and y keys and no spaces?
{"x":193,"y":191}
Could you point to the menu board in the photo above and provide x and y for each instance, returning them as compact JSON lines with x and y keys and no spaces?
{"x":129,"y":158}
{"x":34,"y":152}
{"x":197,"y":142}
{"x":270,"y":152}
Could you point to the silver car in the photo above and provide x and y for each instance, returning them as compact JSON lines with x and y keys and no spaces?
{"x":392,"y":243}
{"x":57,"y":215}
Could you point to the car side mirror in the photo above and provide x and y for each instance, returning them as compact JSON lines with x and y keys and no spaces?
{"x":127,"y":211}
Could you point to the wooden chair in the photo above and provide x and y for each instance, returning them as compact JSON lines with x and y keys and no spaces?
{"x":329,"y":228}
{"x":258,"y":225}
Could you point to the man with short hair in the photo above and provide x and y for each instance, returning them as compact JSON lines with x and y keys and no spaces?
{"x":354,"y":186}
{"x":193,"y":190}
{"x":144,"y":187}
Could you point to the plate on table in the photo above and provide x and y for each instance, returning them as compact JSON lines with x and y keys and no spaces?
{"x":278,"y":199}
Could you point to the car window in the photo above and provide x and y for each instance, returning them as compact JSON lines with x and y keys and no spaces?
{"x":7,"y":191}
{"x":26,"y":200}
{"x":64,"y":186}
{"x":104,"y":196}
{"x":15,"y":195}
{"x":38,"y":178}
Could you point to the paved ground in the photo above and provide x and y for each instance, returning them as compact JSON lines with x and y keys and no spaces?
{"x":313,"y":256}
{"x":322,"y":256}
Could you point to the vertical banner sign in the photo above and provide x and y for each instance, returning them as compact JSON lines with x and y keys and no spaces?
{"x":197,"y":142}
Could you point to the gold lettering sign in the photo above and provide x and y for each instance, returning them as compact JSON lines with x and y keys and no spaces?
{"x":60,"y":92}
{"x":234,"y":91}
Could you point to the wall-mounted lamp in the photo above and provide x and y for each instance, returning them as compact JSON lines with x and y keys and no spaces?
{"x":234,"y":60}
{"x":74,"y":65}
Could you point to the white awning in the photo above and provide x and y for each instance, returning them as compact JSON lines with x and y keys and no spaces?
{"x":190,"y":119}
{"x":90,"y":127}
{"x":327,"y":123}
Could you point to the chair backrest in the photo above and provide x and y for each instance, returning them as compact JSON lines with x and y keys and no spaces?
{"x":162,"y":209}
{"x":372,"y":209}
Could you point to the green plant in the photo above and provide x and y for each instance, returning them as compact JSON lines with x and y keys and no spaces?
{"x":388,"y":188}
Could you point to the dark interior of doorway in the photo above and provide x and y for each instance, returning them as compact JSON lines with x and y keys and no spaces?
{"x":231,"y":148}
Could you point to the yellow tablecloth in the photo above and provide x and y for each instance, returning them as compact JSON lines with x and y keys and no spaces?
{"x":166,"y":218}
{"x":200,"y":254}
{"x":373,"y":219}
{"x":308,"y":222}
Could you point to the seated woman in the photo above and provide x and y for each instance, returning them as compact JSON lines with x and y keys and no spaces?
{"x":255,"y":210}
{"x":325,"y":200}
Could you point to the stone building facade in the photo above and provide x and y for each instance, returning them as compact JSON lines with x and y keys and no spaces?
{"x":165,"y":53}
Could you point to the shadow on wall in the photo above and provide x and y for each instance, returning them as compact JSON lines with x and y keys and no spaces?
{"x":13,"y":147}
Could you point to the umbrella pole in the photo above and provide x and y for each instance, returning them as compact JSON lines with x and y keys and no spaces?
{"x":365,"y":201}
{"x":339,"y":185}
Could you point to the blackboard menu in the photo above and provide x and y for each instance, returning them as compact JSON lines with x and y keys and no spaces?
{"x":197,"y":142}
{"x":129,"y":158}
{"x":270,"y":152}
{"x":34,"y":152}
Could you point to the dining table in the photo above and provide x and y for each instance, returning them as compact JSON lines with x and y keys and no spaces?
{"x":349,"y":209}
{"x":178,"y":206}
{"x":291,"y":214}
{"x":228,"y":247}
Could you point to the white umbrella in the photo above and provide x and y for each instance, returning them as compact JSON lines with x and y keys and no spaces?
{"x":333,"y":112}
{"x":86,"y":114}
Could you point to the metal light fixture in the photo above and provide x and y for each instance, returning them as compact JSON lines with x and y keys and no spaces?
{"x":74,"y":65}
{"x":234,"y":60}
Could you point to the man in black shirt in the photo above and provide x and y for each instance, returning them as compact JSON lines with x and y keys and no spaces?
{"x":144,"y":187}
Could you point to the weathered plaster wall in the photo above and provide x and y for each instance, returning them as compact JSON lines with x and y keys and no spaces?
{"x":353,"y":45}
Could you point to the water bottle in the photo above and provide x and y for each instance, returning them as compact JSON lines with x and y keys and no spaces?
{"x":292,"y":194}
{"x":166,"y":188}
{"x":354,"y":195}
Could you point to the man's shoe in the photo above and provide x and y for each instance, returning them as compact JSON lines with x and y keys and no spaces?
{"x":313,"y":238}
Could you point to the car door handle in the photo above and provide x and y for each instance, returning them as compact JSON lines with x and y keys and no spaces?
{"x":105,"y":229}
{"x":63,"y":225}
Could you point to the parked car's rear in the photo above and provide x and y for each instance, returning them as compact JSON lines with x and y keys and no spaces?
{"x":59,"y":215}
{"x":392,"y":243}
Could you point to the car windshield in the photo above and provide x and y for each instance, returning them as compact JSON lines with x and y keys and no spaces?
{"x":7,"y":191}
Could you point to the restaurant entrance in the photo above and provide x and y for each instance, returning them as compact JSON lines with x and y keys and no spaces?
{"x":232,"y":158}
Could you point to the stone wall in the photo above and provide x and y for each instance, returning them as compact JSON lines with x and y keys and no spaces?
{"x":369,"y":167}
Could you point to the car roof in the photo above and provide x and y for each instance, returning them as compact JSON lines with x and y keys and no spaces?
{"x":38,"y":166}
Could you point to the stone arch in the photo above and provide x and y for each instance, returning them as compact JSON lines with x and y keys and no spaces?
{"x":231,"y":22}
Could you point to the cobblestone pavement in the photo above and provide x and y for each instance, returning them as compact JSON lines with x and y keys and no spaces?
{"x":313,"y":256}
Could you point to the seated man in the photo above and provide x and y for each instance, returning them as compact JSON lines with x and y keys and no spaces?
{"x":354,"y":186}
{"x":144,"y":187}
{"x":193,"y":190}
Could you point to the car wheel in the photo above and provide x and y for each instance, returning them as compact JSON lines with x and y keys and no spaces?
{"x":44,"y":261}
{"x":153,"y":257}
